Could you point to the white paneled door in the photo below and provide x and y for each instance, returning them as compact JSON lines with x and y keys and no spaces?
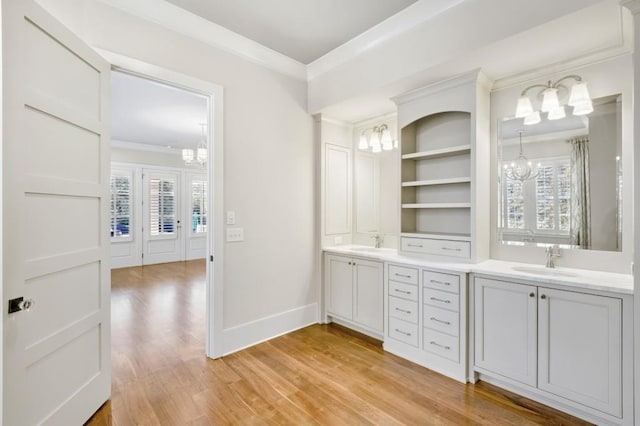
{"x":197,"y":216}
{"x":162,"y":232}
{"x":56,"y":365}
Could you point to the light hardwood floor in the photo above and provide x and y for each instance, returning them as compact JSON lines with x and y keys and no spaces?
{"x":323,"y":374}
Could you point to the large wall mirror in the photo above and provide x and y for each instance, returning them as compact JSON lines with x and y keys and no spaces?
{"x":573,"y":195}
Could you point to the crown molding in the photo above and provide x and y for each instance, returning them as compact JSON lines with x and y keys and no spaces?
{"x":369,"y":122}
{"x":401,"y":22}
{"x":632,"y":5}
{"x":181,"y":21}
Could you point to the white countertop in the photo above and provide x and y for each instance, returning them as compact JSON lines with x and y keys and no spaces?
{"x":569,"y":277}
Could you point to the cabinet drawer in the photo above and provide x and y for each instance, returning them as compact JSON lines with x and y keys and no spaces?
{"x":441,"y":320}
{"x":403,"y":331}
{"x":403,"y":309}
{"x":441,"y":344}
{"x":439,"y":281}
{"x":437,"y":247}
{"x":441,"y":299}
{"x":403,"y":275}
{"x":404,"y":291}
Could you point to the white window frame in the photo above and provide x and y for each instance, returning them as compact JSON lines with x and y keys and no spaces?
{"x":203,"y":205}
{"x":116,"y":172}
{"x":176,"y":215}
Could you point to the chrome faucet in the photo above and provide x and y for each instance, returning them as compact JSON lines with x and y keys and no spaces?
{"x":552,"y":252}
{"x":379,"y":240}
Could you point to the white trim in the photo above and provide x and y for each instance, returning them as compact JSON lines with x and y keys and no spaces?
{"x":254,"y":332}
{"x":375,"y":120}
{"x":403,"y":21}
{"x":135,"y":146}
{"x":183,"y":22}
{"x":215,"y":241}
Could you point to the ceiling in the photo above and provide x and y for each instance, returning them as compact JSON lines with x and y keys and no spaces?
{"x":303,"y":30}
{"x":147,"y":112}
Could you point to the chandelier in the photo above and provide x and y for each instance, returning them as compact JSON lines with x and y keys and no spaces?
{"x":201,"y":151}
{"x":377,"y":139}
{"x":521,"y":168}
{"x":579,"y":99}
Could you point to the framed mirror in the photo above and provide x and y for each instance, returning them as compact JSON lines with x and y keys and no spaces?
{"x":571,"y":191}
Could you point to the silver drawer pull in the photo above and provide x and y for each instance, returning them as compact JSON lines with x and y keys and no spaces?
{"x":403,"y":332}
{"x":439,"y":282}
{"x":414,"y":245}
{"x":440,"y":321}
{"x":401,"y":291}
{"x":435,"y":299}
{"x":450,"y":249}
{"x":401,"y":275}
{"x":439,"y":345}
{"x":403,"y":310}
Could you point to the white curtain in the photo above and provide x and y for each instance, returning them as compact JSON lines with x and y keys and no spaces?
{"x":580,"y":193}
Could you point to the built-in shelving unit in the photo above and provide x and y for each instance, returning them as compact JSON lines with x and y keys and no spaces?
{"x":444,"y":164}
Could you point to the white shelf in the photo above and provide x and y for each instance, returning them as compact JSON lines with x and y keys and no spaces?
{"x":460,"y":149}
{"x":437,"y":206}
{"x":437,"y":182}
{"x":437,"y":236}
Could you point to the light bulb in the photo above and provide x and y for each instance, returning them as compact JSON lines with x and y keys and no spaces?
{"x":579,"y":94}
{"x":363,"y":144}
{"x":202,"y":155}
{"x":549,"y":100}
{"x":557,"y":114}
{"x":583,"y":108}
{"x":377,"y":147}
{"x":524,"y":107}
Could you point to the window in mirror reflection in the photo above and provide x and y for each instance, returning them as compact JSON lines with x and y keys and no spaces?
{"x":574,"y":196}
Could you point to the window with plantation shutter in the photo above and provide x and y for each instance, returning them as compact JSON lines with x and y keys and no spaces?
{"x":540,"y":206}
{"x":162,"y":207}
{"x":121,"y":202}
{"x":198,"y":206}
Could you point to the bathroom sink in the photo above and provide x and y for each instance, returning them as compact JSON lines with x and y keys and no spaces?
{"x":541,"y":270}
{"x":367,"y":249}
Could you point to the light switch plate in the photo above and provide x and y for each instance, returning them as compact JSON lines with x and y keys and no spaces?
{"x":235,"y":234}
{"x":231,"y":217}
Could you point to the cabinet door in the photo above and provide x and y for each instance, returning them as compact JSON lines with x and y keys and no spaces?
{"x":505,"y":329}
{"x":580,"y":343}
{"x":339,"y":279}
{"x":368,"y":289}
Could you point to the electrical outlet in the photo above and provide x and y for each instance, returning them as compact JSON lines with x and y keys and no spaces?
{"x":235,"y":234}
{"x":231,"y":217}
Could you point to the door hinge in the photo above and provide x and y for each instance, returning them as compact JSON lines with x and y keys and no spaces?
{"x":211,"y":258}
{"x":143,"y":255}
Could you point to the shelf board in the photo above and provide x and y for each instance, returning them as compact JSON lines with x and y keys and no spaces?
{"x":460,"y":149}
{"x":437,"y":206}
{"x":437,"y":236}
{"x":437,"y":181}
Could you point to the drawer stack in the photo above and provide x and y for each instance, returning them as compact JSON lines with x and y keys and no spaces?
{"x":441,"y":314}
{"x":403,"y":304}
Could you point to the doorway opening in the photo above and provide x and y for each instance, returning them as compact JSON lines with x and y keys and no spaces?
{"x":175,"y":213}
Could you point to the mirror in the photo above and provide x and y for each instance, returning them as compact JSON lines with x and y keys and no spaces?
{"x":573,"y":197}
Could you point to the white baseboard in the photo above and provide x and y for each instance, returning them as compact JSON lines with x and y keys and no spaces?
{"x":258,"y":331}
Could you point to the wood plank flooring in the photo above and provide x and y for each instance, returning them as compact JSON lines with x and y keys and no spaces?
{"x":322,"y":374}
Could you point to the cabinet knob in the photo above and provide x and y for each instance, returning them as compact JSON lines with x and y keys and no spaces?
{"x":532,"y":294}
{"x":543,"y":297}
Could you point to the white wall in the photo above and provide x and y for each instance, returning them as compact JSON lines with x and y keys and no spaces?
{"x":152,"y":158}
{"x":269,"y":171}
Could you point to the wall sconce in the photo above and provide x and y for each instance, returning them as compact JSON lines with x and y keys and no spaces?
{"x":579,"y":99}
{"x":378,"y":138}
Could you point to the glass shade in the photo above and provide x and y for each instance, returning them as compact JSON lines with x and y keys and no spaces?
{"x":550,"y":100}
{"x":583,"y":108}
{"x":557,"y":114}
{"x":187,"y":155}
{"x":387,"y":142}
{"x":579,"y":94}
{"x":533,"y":118}
{"x":202,"y":155}
{"x":363,"y":144}
{"x":524,"y":107}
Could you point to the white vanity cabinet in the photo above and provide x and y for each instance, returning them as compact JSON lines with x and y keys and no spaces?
{"x":565,"y":346}
{"x":426,"y":318}
{"x":354,"y":292}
